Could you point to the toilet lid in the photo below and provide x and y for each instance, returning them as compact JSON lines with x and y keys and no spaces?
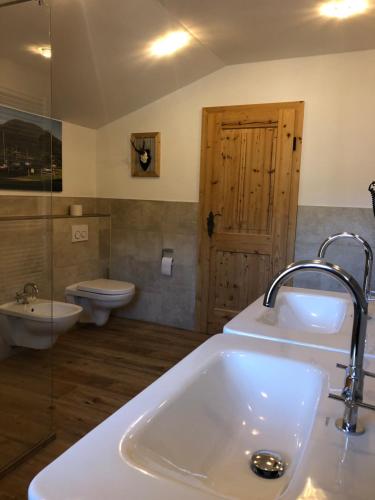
{"x":106,"y":287}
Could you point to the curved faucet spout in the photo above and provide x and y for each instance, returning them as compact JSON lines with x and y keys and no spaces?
{"x":31,"y":290}
{"x":316,"y":265}
{"x":353,"y":390}
{"x":369,"y":256}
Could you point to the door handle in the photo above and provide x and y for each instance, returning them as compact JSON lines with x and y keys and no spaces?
{"x":211,"y":223}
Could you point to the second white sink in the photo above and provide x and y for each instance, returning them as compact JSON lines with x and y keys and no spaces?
{"x":301,"y":316}
{"x":307,"y":312}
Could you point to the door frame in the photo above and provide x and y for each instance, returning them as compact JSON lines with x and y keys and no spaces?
{"x":203,"y":271}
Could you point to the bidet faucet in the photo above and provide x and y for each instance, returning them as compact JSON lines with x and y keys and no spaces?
{"x":352,"y":393}
{"x":29,"y":290}
{"x":369,"y":257}
{"x":34,"y":290}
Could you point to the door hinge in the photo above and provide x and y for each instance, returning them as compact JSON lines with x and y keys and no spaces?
{"x":294,"y":143}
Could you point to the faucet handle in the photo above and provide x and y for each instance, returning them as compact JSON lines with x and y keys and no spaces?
{"x":354,"y":403}
{"x":362,"y":404}
{"x":365,"y":372}
{"x":21,"y":298}
{"x":340,"y":365}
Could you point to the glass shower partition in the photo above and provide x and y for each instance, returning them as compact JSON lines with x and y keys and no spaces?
{"x":30,"y":146}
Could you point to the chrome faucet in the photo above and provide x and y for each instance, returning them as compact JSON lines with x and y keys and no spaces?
{"x":352,"y":394}
{"x":369,"y":257}
{"x":29,"y":290}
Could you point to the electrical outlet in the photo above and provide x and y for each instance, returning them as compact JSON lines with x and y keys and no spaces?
{"x":80,"y":233}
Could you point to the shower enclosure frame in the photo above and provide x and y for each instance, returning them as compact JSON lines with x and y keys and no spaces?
{"x":47,"y":219}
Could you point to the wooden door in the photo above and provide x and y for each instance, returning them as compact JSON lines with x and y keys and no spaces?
{"x":249,"y":181}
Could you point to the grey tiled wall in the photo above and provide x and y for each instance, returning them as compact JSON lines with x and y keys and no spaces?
{"x":73,"y":262}
{"x":140,"y":230}
{"x":135,"y":237}
{"x":314,"y":224}
{"x":25,"y":255}
{"x":25,"y":245}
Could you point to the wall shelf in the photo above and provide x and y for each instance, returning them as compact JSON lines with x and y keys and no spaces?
{"x":5,"y":218}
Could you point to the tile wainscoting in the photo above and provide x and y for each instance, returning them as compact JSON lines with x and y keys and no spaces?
{"x":80,"y":261}
{"x":140,"y":230}
{"x":25,"y":245}
{"x":314,"y":224}
{"x":25,"y":256}
{"x":130,"y":243}
{"x":131,"y":249}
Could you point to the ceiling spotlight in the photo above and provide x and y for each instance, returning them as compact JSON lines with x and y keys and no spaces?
{"x":170,"y":43}
{"x":45,"y":52}
{"x":342,"y":9}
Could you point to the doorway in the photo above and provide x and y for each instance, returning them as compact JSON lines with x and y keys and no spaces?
{"x":250,"y":164}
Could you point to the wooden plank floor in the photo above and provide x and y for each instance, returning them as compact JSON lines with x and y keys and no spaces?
{"x":96,"y":371}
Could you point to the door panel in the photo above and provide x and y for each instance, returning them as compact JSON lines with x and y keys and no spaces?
{"x":249,"y":174}
{"x":235,"y":282}
{"x":257,"y":182}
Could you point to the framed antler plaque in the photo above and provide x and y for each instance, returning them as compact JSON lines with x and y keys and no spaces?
{"x":145,"y":154}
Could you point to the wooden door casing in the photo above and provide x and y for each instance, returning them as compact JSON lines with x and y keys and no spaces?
{"x":250,"y":159}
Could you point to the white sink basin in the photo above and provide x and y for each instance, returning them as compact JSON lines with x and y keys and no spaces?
{"x":306,"y":317}
{"x":190,"y":435}
{"x":307,"y":312}
{"x":240,"y":402}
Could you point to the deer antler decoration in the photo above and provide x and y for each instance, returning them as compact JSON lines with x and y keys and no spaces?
{"x":144,"y":155}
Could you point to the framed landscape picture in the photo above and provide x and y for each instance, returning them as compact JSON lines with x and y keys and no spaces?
{"x":145,"y":154}
{"x":30,"y":151}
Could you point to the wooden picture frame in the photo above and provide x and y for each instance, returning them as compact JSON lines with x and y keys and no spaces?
{"x":149,"y":142}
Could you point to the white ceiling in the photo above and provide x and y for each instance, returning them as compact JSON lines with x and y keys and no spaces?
{"x":101,"y":69}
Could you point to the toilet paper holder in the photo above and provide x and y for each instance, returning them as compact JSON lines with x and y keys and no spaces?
{"x":167,"y":252}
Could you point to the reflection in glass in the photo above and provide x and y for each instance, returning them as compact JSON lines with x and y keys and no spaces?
{"x":26,"y":161}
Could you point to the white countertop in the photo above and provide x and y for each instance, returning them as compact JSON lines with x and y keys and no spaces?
{"x":334,"y":467}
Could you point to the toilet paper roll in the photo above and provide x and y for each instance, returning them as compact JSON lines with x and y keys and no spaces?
{"x":75,"y":210}
{"x":166,"y":266}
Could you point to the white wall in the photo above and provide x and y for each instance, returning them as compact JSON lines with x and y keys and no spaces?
{"x":338,"y":149}
{"x":79,"y":161}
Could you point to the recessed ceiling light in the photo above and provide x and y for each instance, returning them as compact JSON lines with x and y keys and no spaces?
{"x":341,"y":9}
{"x":170,"y":43}
{"x":45,"y":52}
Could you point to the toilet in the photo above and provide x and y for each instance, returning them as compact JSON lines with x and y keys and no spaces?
{"x":98,"y":298}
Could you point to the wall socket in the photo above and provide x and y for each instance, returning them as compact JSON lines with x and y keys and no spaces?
{"x":80,"y":233}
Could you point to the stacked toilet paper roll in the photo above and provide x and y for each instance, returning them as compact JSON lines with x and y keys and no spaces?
{"x":75,"y":210}
{"x":166,"y":266}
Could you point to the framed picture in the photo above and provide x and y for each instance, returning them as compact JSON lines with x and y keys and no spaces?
{"x":145,"y":154}
{"x":30,"y":151}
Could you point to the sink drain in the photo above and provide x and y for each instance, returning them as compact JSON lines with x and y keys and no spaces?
{"x":267,"y":464}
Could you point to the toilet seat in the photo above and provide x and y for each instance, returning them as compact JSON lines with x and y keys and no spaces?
{"x":106,"y":287}
{"x":99,"y":297}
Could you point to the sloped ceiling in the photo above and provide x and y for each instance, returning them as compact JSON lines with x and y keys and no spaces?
{"x":101,"y":68}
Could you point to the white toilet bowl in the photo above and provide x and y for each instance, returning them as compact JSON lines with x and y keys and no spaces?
{"x":98,"y":298}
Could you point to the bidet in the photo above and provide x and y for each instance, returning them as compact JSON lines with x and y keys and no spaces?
{"x":37,"y":324}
